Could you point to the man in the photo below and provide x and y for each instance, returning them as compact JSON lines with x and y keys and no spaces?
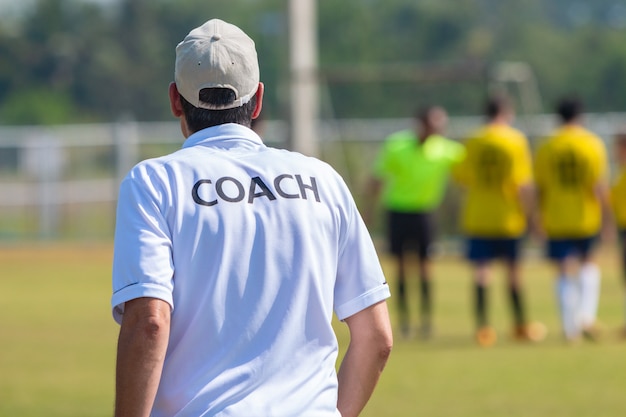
{"x":412,"y":171}
{"x":230,"y":258}
{"x":571,"y":175}
{"x":497,"y":175}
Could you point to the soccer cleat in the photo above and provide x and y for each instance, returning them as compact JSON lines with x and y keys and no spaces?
{"x":531,"y":332}
{"x":425,"y":331}
{"x":572,"y":340}
{"x":405,"y":330}
{"x":591,"y":333}
{"x":486,"y":336}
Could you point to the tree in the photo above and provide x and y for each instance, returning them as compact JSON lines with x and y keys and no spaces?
{"x":103,"y":62}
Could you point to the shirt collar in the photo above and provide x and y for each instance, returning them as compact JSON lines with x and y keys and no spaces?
{"x":224,"y":136}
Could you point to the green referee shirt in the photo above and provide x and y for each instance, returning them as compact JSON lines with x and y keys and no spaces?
{"x":415,"y":174}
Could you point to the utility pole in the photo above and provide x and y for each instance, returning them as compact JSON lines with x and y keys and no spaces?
{"x":303,"y":62}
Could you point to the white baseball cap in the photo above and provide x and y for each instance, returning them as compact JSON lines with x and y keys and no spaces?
{"x":216,"y":55}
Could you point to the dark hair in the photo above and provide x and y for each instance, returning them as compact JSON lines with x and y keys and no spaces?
{"x":426,"y":116}
{"x":198,"y":118}
{"x":423,"y":114}
{"x":497,"y":104}
{"x":569,"y":108}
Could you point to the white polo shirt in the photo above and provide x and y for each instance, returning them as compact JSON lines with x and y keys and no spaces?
{"x":253,"y":248}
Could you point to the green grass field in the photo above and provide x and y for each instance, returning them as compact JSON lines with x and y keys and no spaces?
{"x":57,"y":346}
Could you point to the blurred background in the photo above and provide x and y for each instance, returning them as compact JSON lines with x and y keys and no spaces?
{"x":83,"y":85}
{"x":83,"y":97}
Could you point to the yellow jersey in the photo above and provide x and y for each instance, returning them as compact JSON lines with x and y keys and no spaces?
{"x":497,"y":163}
{"x":618,"y":199}
{"x":568,"y":167}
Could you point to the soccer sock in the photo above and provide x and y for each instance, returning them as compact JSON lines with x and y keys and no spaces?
{"x":517,"y":305}
{"x":481,"y":305}
{"x":568,"y":296}
{"x":402,"y":306}
{"x":425,"y":300}
{"x":589,"y":293}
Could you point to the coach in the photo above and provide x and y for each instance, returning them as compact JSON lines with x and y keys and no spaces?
{"x":231,"y":257}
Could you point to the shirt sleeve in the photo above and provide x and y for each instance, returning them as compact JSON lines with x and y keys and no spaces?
{"x":142,"y":260}
{"x":462,"y":172}
{"x":459,"y":153}
{"x":360,"y":280}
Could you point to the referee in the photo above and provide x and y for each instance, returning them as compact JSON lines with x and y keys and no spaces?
{"x":411,"y":172}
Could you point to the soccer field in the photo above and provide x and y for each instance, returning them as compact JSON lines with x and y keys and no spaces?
{"x":57,"y":345}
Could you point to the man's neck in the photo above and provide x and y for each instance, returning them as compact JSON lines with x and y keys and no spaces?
{"x":423,"y":135}
{"x":572,"y":123}
{"x":500,"y":120}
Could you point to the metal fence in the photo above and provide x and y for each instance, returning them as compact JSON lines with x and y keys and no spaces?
{"x":61,"y":182}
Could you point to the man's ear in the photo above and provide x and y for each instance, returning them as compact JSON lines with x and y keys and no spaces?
{"x":175,"y":104}
{"x":259,"y":101}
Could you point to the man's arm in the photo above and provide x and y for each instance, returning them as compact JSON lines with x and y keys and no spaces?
{"x":142,"y":343}
{"x":370,"y":345}
{"x":602,"y":192}
{"x":529,"y":198}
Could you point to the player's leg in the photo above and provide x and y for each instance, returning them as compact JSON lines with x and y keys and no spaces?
{"x":425,"y":238}
{"x":480,"y":293}
{"x":403,"y":307}
{"x":397,"y":236}
{"x":485,"y":334}
{"x":515,"y":295}
{"x":426,"y":298}
{"x":589,"y":279}
{"x":479,"y":254}
{"x":510,"y":253}
{"x":523,"y":329}
{"x":566,"y":288}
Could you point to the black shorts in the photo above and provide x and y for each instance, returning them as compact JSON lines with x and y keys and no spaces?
{"x":559,"y":249}
{"x":487,"y":249}
{"x":410,"y":231}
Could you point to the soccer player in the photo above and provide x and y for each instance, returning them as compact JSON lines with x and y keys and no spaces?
{"x":412,"y":171}
{"x":231,"y":257}
{"x":571,"y":177}
{"x":618,"y":203}
{"x":497,"y":175}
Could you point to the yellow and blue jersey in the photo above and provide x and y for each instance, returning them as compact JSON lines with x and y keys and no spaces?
{"x":496,"y":165}
{"x":568,"y":167}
